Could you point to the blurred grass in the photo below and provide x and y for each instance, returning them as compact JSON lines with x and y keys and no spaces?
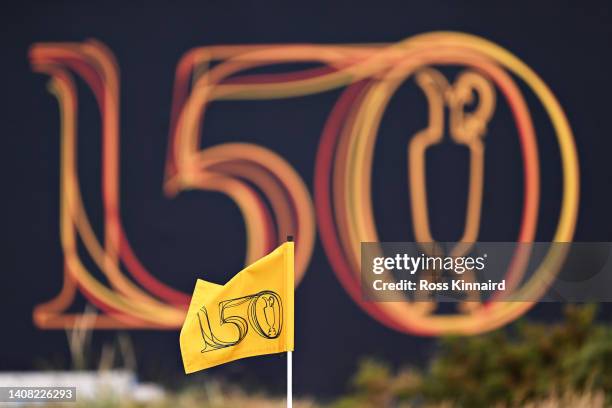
{"x":240,"y":400}
{"x":527,"y":364}
{"x":213,"y":395}
{"x":567,"y":364}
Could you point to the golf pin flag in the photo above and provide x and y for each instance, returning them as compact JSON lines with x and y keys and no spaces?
{"x":250,"y":315}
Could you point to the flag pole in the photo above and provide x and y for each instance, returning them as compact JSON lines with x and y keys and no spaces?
{"x":290,"y":379}
{"x":290,"y":362}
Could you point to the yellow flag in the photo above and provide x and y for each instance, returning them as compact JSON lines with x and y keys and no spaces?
{"x":250,"y":315}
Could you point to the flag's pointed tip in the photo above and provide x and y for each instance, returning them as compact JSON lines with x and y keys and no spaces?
{"x":204,"y":282}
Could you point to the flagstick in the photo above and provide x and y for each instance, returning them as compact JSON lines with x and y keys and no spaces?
{"x":289,"y":379}
{"x":290,"y":363}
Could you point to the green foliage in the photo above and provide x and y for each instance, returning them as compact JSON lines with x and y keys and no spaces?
{"x":510,"y":367}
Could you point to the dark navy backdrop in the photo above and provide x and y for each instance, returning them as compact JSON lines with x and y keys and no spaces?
{"x":194,"y":234}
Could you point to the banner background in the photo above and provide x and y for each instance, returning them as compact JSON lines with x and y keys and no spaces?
{"x":191,"y":235}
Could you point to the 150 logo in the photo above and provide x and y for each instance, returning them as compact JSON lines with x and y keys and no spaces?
{"x":263,"y":312}
{"x":270,"y":194}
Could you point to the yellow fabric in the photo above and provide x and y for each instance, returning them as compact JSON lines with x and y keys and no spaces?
{"x":250,"y":315}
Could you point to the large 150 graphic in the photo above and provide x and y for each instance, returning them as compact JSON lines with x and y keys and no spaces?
{"x":271,"y":195}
